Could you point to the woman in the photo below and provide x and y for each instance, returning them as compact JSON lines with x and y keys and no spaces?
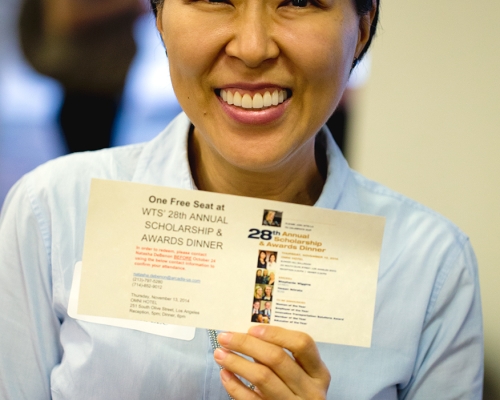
{"x":292,"y":61}
{"x":258,"y":278}
{"x":259,"y":318}
{"x":271,"y":264}
{"x":271,"y":278}
{"x":262,"y":262}
{"x":258,"y":293}
{"x":269,"y":219}
{"x":265,"y":276}
{"x":268,"y":293}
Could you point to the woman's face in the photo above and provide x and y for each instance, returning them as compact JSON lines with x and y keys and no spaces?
{"x":259,"y":272}
{"x":262,"y":256}
{"x":259,"y":291}
{"x":254,"y":47}
{"x":272,"y":258}
{"x":268,"y":290}
{"x":270,"y":216}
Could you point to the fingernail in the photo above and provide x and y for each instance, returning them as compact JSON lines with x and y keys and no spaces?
{"x":257,"y":331}
{"x":224,"y":338}
{"x":220,"y":354}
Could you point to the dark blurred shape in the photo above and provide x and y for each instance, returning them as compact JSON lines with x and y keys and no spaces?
{"x":88,"y":47}
{"x":82,"y":132}
{"x":491,"y":384}
{"x":338,"y":126}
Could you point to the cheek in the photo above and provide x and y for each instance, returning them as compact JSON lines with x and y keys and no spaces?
{"x":182,"y":61}
{"x":191,"y":56}
{"x":324,"y":60}
{"x":189,"y":47}
{"x":324,"y":51}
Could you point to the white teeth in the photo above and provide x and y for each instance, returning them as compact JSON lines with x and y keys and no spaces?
{"x":275,"y":98}
{"x":258,"y":101}
{"x":246,"y":101}
{"x":268,"y":100}
{"x":237,"y":99}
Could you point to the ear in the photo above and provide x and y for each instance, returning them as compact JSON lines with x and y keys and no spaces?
{"x":365,"y":24}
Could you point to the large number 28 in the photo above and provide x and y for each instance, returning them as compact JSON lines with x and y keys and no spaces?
{"x":262,"y":235}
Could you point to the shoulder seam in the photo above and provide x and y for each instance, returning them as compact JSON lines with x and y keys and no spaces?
{"x":44,"y":231}
{"x":382,"y":190}
{"x":443,"y":276}
{"x":35,"y":208}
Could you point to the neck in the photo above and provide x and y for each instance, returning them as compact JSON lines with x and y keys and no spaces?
{"x":298,"y":180}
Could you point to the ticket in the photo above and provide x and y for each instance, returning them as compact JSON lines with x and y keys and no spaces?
{"x":217,"y":261}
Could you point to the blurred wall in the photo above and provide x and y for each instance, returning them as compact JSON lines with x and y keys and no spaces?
{"x":428,"y":125}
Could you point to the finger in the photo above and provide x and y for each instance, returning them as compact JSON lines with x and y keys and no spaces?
{"x":269,"y":384}
{"x":235,"y":388}
{"x":275,"y":370}
{"x":301,"y":345}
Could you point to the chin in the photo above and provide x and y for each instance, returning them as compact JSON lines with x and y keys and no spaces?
{"x":260,"y":162}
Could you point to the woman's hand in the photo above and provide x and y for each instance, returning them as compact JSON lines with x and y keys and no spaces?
{"x":275,"y":374}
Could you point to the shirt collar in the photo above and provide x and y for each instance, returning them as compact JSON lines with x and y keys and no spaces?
{"x":339,"y":191}
{"x":164,"y":161}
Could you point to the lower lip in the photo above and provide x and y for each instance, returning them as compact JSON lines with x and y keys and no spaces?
{"x":254,"y":116}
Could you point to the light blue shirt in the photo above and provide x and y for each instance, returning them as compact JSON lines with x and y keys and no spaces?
{"x":427,"y":334}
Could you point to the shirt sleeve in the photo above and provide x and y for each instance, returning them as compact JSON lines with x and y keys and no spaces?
{"x":449,"y":363}
{"x":29,"y":339}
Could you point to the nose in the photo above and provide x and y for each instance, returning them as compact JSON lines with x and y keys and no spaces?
{"x":252,"y":40}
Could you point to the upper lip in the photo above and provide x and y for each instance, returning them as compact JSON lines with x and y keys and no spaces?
{"x":252,"y":86}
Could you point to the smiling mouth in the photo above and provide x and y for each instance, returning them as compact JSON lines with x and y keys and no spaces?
{"x":258,"y":101}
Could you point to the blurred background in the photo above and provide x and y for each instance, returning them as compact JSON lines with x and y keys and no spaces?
{"x":427,"y":124}
{"x":77,"y":75}
{"x":422,"y":117}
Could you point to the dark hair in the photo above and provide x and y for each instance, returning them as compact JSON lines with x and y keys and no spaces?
{"x":362,"y":7}
{"x":155,"y":5}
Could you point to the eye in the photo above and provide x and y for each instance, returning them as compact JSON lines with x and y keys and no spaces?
{"x":300,"y":3}
{"x":218,"y":1}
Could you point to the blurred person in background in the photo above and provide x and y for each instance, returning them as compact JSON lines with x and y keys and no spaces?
{"x":32,"y":102}
{"x":87,"y":46}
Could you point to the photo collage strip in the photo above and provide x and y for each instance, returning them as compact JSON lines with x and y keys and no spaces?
{"x":267,"y":261}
